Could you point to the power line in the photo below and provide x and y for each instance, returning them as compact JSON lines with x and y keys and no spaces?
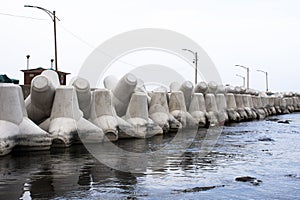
{"x":93,"y":47}
{"x":20,"y":16}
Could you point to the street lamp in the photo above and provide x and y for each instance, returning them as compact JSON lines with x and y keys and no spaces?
{"x":194,"y":61}
{"x":247,"y":68}
{"x":53,"y":17}
{"x":266,"y":73}
{"x":243,"y":77}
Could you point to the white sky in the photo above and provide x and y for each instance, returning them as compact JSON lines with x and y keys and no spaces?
{"x":260,"y":34}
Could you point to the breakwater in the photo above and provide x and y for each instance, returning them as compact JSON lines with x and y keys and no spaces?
{"x":59,"y":116}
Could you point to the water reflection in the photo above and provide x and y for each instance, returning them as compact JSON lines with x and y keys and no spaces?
{"x":75,"y":173}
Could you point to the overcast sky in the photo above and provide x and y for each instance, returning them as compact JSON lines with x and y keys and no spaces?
{"x":260,"y":34}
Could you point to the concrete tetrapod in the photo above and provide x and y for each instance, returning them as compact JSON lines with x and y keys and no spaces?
{"x":187,"y":89}
{"x":211,"y":109}
{"x":66,"y":123}
{"x":277,"y":104}
{"x":178,"y":110}
{"x":271,"y":107}
{"x":39,"y":103}
{"x":248,"y":105}
{"x":249,"y":97}
{"x":201,"y":87}
{"x":84,"y":95}
{"x":222,"y":106}
{"x":140,"y":87}
{"x":197,"y":109}
{"x":233,"y":115}
{"x":289,"y":104}
{"x":240,"y":107}
{"x":174,"y":86}
{"x":122,"y":93}
{"x":137,"y":115}
{"x":110,"y":82}
{"x":265,"y":105}
{"x":212,"y":87}
{"x":221,"y":89}
{"x":296,"y":103}
{"x":159,"y":112}
{"x":16,"y":129}
{"x":283,"y":105}
{"x":103,"y":115}
{"x":258,"y":106}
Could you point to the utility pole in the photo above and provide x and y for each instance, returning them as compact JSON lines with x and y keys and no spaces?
{"x":195,"y":61}
{"x":53,"y":18}
{"x":267,"y":81}
{"x":243,"y":77}
{"x":247,"y":68}
{"x":55,"y":42}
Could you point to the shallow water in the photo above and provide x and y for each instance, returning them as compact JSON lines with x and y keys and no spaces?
{"x":266,"y":150}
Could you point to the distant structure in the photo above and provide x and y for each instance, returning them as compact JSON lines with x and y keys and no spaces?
{"x":5,"y":79}
{"x":29,"y":74}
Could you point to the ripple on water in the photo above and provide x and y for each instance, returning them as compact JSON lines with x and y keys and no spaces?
{"x":266,"y":150}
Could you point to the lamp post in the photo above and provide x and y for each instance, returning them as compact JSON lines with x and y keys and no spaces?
{"x":53,"y":17}
{"x":247,"y":68}
{"x":266,"y":73}
{"x":243,"y":77}
{"x":194,"y":61}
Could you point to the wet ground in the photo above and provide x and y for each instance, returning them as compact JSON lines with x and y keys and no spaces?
{"x":251,"y":160}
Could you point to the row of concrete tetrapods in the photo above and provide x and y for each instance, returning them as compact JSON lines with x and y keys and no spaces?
{"x":58,"y":116}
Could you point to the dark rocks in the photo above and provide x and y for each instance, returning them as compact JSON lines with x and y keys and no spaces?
{"x":249,"y":179}
{"x":272,"y":119}
{"x":265,"y":139}
{"x":199,"y":189}
{"x":284,"y":121}
{"x":293,"y":176}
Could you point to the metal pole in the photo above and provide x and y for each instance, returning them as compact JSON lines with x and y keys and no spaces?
{"x":243,"y":77}
{"x":28,"y":56}
{"x":53,"y":17}
{"x":247,"y":77}
{"x":266,"y":73}
{"x":267,"y":84}
{"x":55,"y":42}
{"x":196,"y":63}
{"x":247,"y":68}
{"x":196,"y":67}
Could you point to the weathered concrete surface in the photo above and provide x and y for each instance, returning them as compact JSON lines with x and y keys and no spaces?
{"x":258,"y":106}
{"x":187,"y":88}
{"x":201,"y":87}
{"x":197,"y":109}
{"x":233,"y":115}
{"x":16,"y":130}
{"x":174,"y":86}
{"x":212,"y":110}
{"x":212,"y":87}
{"x":66,"y":124}
{"x":177,"y":108}
{"x":103,"y":114}
{"x":240,"y":107}
{"x":110,"y":82}
{"x":84,"y":95}
{"x":39,"y":102}
{"x":122,"y":93}
{"x":159,"y":112}
{"x":248,"y":105}
{"x":137,"y":115}
{"x":222,"y":108}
